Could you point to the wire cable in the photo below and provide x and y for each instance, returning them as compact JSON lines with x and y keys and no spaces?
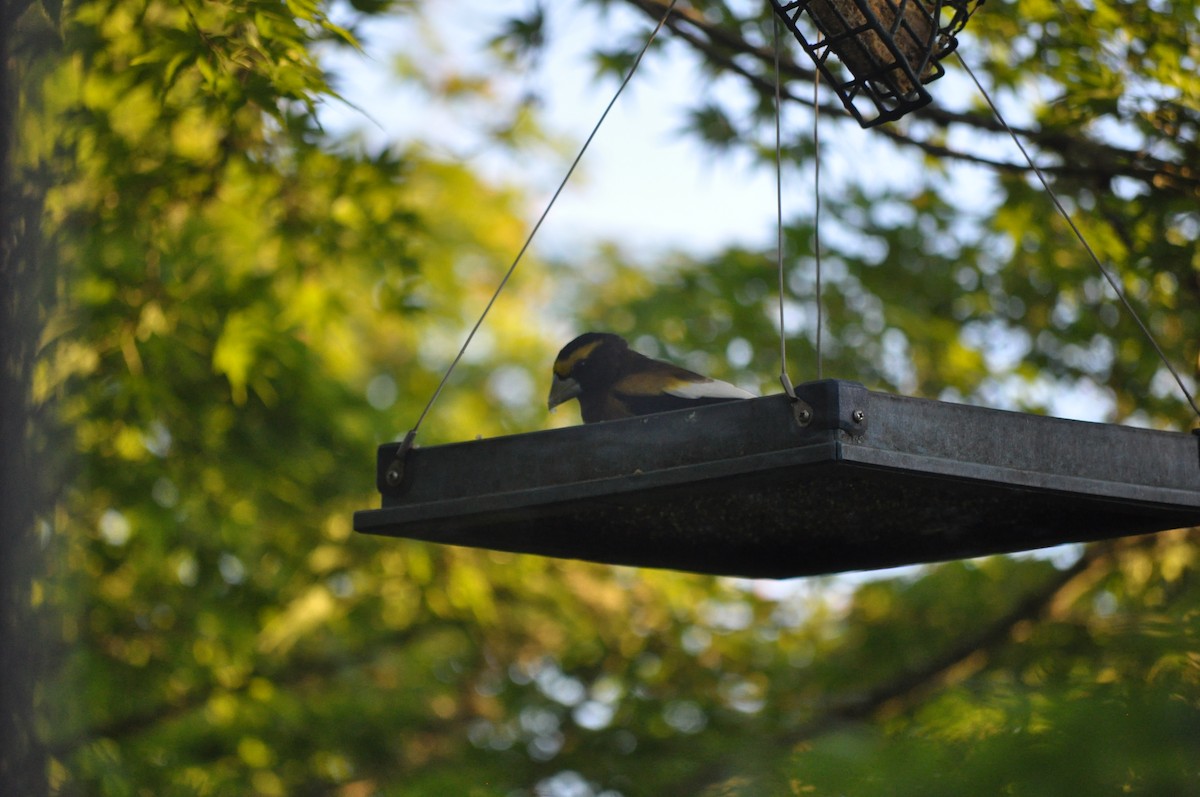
{"x":784,"y":379}
{"x":817,"y":214}
{"x":1112,"y":282}
{"x":408,"y":440}
{"x":783,"y":375}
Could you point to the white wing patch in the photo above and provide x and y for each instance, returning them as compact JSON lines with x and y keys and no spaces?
{"x":712,"y":388}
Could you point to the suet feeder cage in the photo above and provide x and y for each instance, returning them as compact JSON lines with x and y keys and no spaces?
{"x":877,"y":55}
{"x":841,"y":479}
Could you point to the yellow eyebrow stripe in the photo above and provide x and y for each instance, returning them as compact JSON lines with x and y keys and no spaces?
{"x":564,"y":367}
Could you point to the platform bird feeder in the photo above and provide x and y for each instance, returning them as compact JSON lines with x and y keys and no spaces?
{"x":877,"y":55}
{"x":840,"y":479}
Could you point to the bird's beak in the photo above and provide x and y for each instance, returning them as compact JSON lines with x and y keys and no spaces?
{"x":562,"y":390}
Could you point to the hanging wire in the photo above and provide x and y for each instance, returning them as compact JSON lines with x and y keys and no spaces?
{"x":784,"y":379}
{"x":1079,"y":234}
{"x":783,"y":375}
{"x":408,"y":439}
{"x":817,"y":213}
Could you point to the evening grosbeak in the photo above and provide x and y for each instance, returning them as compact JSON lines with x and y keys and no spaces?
{"x":612,"y":381}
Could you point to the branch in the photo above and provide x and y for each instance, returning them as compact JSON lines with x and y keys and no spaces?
{"x":767,"y":89}
{"x":909,"y":688}
{"x":1078,"y":156}
{"x":123,"y":728}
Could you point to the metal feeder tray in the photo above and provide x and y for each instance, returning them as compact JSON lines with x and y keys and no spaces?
{"x":842,"y":479}
{"x":877,"y":55}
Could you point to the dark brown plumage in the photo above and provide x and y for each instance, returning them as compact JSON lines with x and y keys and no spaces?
{"x":612,"y":381}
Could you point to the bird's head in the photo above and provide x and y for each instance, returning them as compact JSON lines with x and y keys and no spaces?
{"x":592,"y":359}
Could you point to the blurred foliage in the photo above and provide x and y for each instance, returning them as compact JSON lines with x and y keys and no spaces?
{"x":244,"y":305}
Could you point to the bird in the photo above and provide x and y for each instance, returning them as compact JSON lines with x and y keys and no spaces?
{"x":613,"y":381}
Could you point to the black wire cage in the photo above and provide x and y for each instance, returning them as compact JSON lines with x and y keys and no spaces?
{"x":877,"y":55}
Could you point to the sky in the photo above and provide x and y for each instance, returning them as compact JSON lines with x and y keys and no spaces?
{"x":642,"y":181}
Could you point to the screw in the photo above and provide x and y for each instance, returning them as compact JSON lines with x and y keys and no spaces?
{"x":801,"y":412}
{"x":394,"y":474}
{"x":858,"y":416}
